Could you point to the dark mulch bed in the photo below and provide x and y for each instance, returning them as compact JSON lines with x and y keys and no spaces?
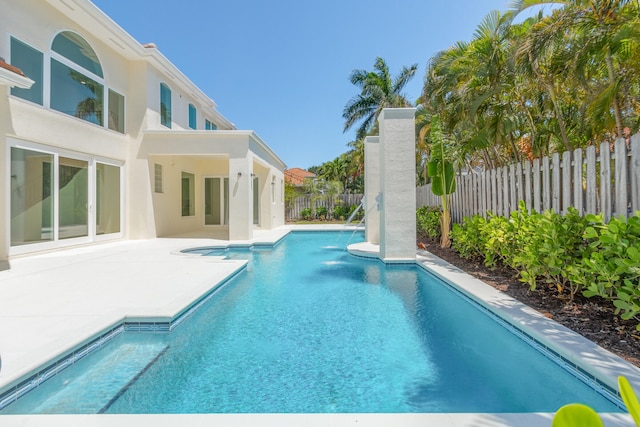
{"x":592,"y":318}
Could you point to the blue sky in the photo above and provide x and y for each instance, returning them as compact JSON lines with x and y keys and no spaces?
{"x":281,"y":67}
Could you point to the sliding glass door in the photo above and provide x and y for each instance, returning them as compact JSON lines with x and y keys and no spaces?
{"x":31,"y":197}
{"x":216,"y":201}
{"x":73,"y":193}
{"x":57,"y":200}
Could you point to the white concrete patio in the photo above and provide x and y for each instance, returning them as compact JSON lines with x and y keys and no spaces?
{"x":53,"y":302}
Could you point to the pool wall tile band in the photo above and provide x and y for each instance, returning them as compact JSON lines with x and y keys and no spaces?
{"x":53,"y":369}
{"x":596,"y":384}
{"x":56,"y":367}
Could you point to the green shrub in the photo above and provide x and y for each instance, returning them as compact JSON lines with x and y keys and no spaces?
{"x":551,"y":247}
{"x":428,"y":222}
{"x":611,"y":266}
{"x":322,"y":213}
{"x":570,"y":253}
{"x":305,"y":214}
{"x":340,"y":213}
{"x":468,"y":238}
{"x":358,"y":216}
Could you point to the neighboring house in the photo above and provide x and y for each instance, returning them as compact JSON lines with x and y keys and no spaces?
{"x":296,"y":176}
{"x":103,"y":138}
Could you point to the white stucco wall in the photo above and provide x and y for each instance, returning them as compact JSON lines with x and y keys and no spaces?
{"x":397,"y":183}
{"x":372,"y":188}
{"x":135,"y":73}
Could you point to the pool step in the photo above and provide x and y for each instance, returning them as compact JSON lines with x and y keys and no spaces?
{"x":93,"y":388}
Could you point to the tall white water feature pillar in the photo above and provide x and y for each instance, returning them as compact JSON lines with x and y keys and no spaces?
{"x":397,"y":170}
{"x":372,"y":189}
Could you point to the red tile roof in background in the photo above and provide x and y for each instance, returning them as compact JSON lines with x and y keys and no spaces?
{"x":296,"y":176}
{"x":11,"y":68}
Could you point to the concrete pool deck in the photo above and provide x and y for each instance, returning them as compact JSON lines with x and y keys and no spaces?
{"x":54,"y":302}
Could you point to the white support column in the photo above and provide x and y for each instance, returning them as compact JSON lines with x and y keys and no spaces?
{"x":372,"y":188}
{"x":240,"y":198}
{"x":397,"y":184}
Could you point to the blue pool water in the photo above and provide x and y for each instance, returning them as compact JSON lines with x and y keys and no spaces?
{"x":309,"y":328}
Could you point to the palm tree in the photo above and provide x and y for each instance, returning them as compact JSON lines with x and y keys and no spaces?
{"x":378,"y":90}
{"x":601,"y":34}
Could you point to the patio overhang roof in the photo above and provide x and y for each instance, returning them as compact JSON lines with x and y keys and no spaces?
{"x":207,"y":143}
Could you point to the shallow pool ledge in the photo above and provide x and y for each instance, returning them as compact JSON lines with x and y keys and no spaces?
{"x":372,"y":250}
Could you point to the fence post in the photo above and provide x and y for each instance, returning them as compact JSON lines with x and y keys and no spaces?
{"x":635,"y":172}
{"x":577,"y":181}
{"x":546,"y":184}
{"x":592,"y":191}
{"x":527,"y":185}
{"x":555,"y":183}
{"x":537,"y":189}
{"x":512,"y":188}
{"x":566,"y":181}
{"x":605,"y":181}
{"x":620,"y":182}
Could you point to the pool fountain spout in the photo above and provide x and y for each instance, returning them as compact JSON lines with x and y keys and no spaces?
{"x":390,"y":229}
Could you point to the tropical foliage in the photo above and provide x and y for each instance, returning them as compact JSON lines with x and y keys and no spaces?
{"x":571,"y":254}
{"x":378,"y":90}
{"x":549,"y":84}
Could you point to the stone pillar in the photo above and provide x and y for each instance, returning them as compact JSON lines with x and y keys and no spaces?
{"x":240,"y":198}
{"x":397,"y":184}
{"x":372,"y":188}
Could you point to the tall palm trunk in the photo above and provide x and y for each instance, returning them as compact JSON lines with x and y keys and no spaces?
{"x":616,"y":103}
{"x":549,"y":86}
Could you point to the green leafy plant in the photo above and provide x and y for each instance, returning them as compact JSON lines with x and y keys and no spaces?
{"x":322,"y":213}
{"x":551,"y":244}
{"x":340,"y":212}
{"x":468,"y":238}
{"x":443,"y":182}
{"x":428,"y":222}
{"x":576,"y":415}
{"x":305,"y":214}
{"x":630,"y":399}
{"x":612,"y":268}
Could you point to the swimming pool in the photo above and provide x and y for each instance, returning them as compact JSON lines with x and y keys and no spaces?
{"x":309,"y":328}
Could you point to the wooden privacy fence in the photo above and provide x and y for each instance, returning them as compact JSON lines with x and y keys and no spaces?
{"x":302,"y":202}
{"x":606,"y":180}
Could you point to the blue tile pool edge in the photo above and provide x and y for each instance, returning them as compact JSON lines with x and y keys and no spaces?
{"x":68,"y":359}
{"x":595,"y":383}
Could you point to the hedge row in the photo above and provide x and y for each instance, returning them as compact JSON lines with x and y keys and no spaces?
{"x":572,"y":253}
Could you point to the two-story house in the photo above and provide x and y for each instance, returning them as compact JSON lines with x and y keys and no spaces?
{"x":103,"y":138}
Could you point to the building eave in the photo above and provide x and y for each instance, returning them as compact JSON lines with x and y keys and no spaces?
{"x":204,"y":139}
{"x":13,"y":79}
{"x":99,"y":24}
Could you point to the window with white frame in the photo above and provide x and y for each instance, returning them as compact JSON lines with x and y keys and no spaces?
{"x":193,"y":121}
{"x":77,"y":81}
{"x":188,"y":194}
{"x":209,"y":125}
{"x":31,"y":62}
{"x":157,"y":178}
{"x":165,"y":105}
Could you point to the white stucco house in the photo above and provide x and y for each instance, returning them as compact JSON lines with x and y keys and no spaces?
{"x":103,"y":138}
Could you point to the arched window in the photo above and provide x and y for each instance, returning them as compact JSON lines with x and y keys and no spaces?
{"x":76,"y":49}
{"x":77,"y":81}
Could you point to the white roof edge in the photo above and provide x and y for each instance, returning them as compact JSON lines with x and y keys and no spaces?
{"x":125,"y":41}
{"x":12,"y":79}
{"x":255,"y":137}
